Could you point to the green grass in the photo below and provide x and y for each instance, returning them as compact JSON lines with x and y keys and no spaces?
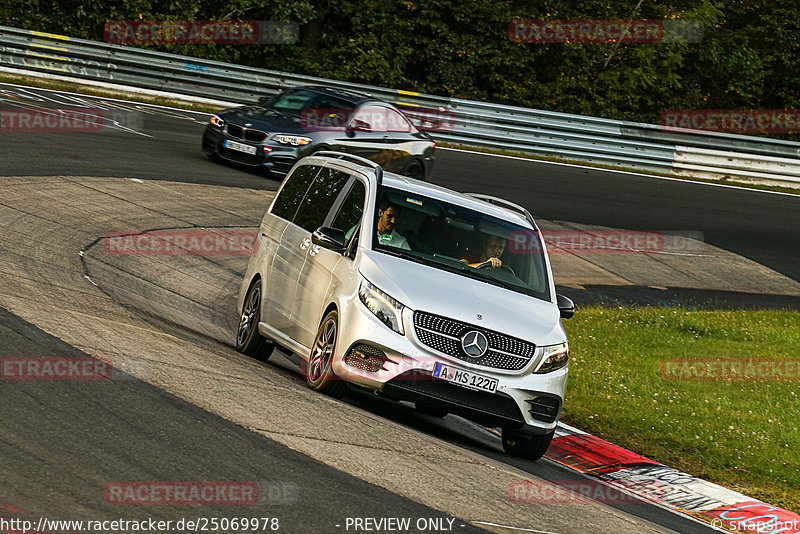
{"x":739,"y":434}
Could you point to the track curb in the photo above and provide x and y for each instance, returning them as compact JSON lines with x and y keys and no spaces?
{"x":630,"y":472}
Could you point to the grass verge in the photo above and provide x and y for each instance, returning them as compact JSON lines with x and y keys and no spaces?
{"x":741,"y":434}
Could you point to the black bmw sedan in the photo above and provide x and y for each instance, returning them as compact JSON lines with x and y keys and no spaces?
{"x":300,"y":121}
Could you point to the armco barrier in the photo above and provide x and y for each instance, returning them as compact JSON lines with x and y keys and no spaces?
{"x":546,"y":133}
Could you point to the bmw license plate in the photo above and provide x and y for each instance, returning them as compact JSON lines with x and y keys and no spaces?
{"x":240,"y":147}
{"x":464,"y":378}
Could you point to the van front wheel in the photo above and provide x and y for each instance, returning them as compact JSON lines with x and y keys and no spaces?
{"x":526,"y":446}
{"x":319,"y":369}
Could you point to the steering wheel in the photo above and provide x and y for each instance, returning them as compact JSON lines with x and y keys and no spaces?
{"x":488,"y":265}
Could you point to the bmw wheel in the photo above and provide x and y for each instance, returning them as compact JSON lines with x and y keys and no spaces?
{"x":318,"y":370}
{"x":415,"y":170}
{"x":248,"y":340}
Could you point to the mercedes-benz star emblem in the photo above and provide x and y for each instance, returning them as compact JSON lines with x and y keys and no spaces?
{"x":474,"y":344}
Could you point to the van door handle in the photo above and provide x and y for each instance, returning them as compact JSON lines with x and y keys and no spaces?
{"x":305,"y":243}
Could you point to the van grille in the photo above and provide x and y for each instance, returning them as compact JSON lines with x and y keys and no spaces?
{"x":443,"y":334}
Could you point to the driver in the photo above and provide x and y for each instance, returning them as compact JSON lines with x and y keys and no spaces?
{"x":489,"y":253}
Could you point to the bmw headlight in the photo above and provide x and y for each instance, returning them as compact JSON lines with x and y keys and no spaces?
{"x":555,"y":357}
{"x":294,"y":140}
{"x":385,"y":308}
{"x":216,"y":121}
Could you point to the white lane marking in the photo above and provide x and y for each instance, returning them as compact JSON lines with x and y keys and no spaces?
{"x":106,"y":122}
{"x":116,"y":87}
{"x":576,"y":165}
{"x":221,"y":104}
{"x":520,"y":529}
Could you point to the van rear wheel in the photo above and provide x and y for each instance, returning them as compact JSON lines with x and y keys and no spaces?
{"x":248,"y":340}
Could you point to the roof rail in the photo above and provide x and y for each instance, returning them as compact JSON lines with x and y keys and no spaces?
{"x":505,"y":204}
{"x":353,"y":158}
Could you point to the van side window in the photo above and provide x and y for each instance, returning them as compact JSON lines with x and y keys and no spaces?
{"x":350,"y":212}
{"x":285,"y":206}
{"x":320,"y":198}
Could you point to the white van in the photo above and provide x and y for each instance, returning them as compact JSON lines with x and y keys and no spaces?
{"x":436,"y":297}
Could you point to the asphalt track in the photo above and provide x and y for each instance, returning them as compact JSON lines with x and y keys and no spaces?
{"x":65,"y":440}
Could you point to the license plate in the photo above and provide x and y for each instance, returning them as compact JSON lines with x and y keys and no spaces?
{"x":240,"y":147}
{"x":464,"y":378}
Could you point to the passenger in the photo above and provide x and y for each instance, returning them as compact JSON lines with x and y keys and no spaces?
{"x":489,"y":253}
{"x":388,"y":213}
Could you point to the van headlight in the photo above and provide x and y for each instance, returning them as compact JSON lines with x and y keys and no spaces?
{"x":555,"y":357}
{"x":385,"y":308}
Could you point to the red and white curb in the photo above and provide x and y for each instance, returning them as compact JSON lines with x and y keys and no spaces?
{"x":633,"y":473}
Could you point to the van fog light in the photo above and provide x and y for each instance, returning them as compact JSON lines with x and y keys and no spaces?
{"x":366,"y":358}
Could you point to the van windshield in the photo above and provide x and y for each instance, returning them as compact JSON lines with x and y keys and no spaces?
{"x":460,"y":240}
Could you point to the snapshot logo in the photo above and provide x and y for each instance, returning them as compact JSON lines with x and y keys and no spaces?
{"x":181,"y":493}
{"x":587,"y":242}
{"x":44,"y":120}
{"x":377,"y":118}
{"x":180,"y":243}
{"x":756,"y":516}
{"x":568,"y":492}
{"x":733,"y":120}
{"x":604,"y":31}
{"x":156,"y":32}
{"x":729,"y":369}
{"x":54,"y":368}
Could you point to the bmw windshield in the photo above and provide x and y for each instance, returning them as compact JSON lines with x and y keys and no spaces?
{"x":460,"y":240}
{"x":296,"y":101}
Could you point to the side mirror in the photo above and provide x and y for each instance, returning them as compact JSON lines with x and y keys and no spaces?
{"x":330,"y":238}
{"x":357,"y":125}
{"x":565,"y":306}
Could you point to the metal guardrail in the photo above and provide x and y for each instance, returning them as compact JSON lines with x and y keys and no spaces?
{"x":546,"y":133}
